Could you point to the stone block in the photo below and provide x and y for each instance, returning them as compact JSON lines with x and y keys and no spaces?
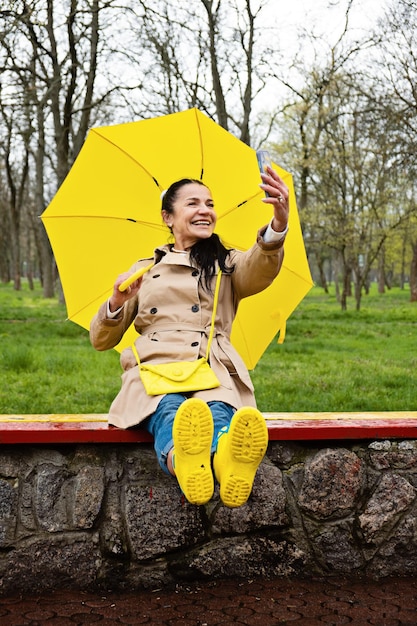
{"x":159,"y":519}
{"x":67,"y":562}
{"x":338,"y":549}
{"x":333,"y":480}
{"x":88,"y":496}
{"x":265,"y":507}
{"x":52,"y":498}
{"x":8,"y":511}
{"x":240,"y":557}
{"x":393,"y":495}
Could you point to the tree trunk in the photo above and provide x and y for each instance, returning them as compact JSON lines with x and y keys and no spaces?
{"x":17,"y":277}
{"x":403,"y":255}
{"x":215,"y":72}
{"x":381,"y":271}
{"x":323,"y":279}
{"x":413,"y":274}
{"x":358,"y":293}
{"x":46,"y":258}
{"x":347,"y":289}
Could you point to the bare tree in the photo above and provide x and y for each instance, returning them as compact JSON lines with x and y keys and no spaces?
{"x":50,"y":51}
{"x":357,"y":194}
{"x":344,"y":135}
{"x":16,"y":179}
{"x":397,"y":65}
{"x":314,"y":108}
{"x":204,"y":53}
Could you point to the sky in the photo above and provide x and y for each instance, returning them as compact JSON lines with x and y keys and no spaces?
{"x":327,"y":13}
{"x":325,"y":16}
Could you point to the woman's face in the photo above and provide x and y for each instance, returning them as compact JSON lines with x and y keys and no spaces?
{"x":193,"y":217}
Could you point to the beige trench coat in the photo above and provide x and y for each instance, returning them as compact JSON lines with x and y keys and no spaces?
{"x":172,"y":313}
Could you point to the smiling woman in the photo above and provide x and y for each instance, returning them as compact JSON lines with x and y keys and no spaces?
{"x":183,"y":306}
{"x":194,"y":218}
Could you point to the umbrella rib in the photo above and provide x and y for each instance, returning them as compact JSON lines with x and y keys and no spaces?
{"x":129,"y":156}
{"x":237,"y":206}
{"x":309,"y":282}
{"x":200,"y":135}
{"x":104,"y":217}
{"x":238,"y":323}
{"x":98,"y":298}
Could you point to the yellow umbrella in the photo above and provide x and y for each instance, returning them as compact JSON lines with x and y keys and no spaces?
{"x":106,"y":215}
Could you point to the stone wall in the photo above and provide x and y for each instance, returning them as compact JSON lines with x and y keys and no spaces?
{"x":106,"y":516}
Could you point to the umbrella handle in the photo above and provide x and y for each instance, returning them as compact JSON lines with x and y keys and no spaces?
{"x":126,"y":283}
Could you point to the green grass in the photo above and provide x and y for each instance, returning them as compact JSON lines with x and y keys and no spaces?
{"x":330,"y":360}
{"x":335,"y":360}
{"x":47,"y":364}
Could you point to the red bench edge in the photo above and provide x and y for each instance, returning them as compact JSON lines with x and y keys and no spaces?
{"x":281,"y":427}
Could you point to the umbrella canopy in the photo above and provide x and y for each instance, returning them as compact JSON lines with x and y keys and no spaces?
{"x":107,"y":214}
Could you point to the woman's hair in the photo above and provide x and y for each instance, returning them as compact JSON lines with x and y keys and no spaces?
{"x":204,"y":252}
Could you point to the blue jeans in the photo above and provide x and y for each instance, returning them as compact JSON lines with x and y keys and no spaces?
{"x":159,"y":424}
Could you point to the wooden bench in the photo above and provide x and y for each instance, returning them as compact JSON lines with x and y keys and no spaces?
{"x":93,"y":428}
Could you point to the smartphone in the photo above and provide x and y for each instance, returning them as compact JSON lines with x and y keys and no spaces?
{"x":264,"y":160}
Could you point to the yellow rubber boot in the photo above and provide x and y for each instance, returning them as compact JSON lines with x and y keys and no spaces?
{"x":239,"y":452}
{"x":192,"y":434}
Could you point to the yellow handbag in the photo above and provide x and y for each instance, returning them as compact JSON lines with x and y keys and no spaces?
{"x":179,"y":376}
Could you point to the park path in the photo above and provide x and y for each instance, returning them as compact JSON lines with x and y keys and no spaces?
{"x":390,"y":602}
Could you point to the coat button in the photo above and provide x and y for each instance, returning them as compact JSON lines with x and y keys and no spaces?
{"x":194,"y":344}
{"x":154,"y":310}
{"x":195,"y":273}
{"x":195,"y":308}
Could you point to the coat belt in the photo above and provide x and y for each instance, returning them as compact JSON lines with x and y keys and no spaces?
{"x":175,"y":327}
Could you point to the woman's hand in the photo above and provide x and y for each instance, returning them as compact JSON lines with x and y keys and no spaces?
{"x":278,"y":196}
{"x":118,"y":298}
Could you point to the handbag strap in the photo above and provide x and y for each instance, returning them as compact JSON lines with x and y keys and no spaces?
{"x":213,"y":317}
